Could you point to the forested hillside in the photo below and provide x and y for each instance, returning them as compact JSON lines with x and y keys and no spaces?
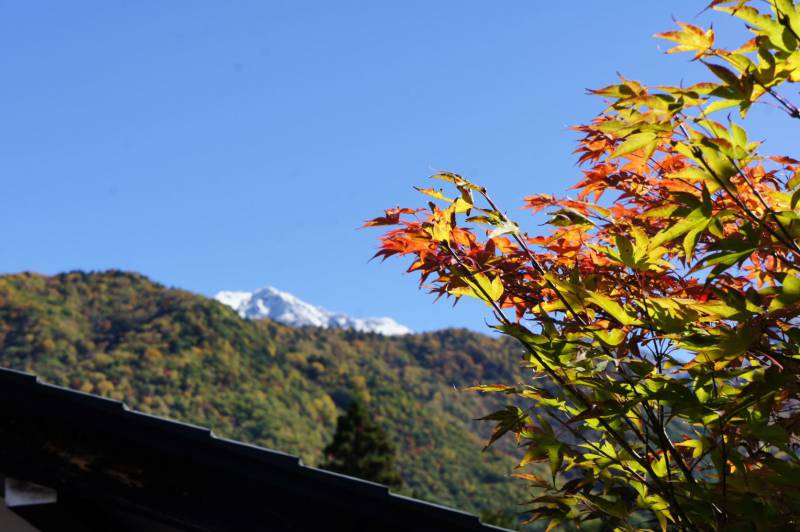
{"x":176,"y":354}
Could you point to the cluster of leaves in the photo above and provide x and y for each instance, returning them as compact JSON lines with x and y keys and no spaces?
{"x":662,"y":307}
{"x":180,"y":355}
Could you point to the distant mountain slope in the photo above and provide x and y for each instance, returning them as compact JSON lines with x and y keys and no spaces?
{"x":286,"y":308}
{"x":180,"y":355}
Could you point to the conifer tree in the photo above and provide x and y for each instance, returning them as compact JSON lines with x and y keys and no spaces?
{"x":361,"y":448}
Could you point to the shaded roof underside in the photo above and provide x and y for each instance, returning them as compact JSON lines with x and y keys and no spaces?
{"x":97,"y":453}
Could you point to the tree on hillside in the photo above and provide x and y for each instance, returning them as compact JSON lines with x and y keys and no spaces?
{"x":361,"y":448}
{"x":660,"y":313}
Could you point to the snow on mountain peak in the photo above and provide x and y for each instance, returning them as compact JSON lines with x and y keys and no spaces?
{"x":286,"y":308}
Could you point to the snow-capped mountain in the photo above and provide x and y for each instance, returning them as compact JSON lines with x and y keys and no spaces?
{"x":281,"y":306}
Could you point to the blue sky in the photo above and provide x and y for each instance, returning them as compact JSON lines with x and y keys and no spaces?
{"x":231,"y":145}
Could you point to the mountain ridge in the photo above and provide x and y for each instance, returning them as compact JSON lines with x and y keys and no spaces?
{"x":286,"y":308}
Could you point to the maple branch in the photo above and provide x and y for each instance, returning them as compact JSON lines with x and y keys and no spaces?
{"x":724,"y":473}
{"x":577,"y":434}
{"x":582,"y":322}
{"x":658,"y":423}
{"x":767,"y":208}
{"x":529,"y":255}
{"x":724,"y":479}
{"x":698,"y":154}
{"x":791,"y":109}
{"x":664,"y":440}
{"x":660,"y":431}
{"x":574,"y":391}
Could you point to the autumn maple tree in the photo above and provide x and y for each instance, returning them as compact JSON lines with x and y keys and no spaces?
{"x":660,"y":312}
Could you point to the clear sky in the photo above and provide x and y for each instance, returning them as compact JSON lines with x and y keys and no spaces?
{"x":236,"y":144}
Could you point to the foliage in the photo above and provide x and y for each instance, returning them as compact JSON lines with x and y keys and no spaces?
{"x":361,"y":448}
{"x":176,"y":354}
{"x":662,"y":305}
{"x":499,"y":518}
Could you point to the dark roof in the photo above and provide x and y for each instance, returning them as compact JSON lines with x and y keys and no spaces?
{"x":106,"y":461}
